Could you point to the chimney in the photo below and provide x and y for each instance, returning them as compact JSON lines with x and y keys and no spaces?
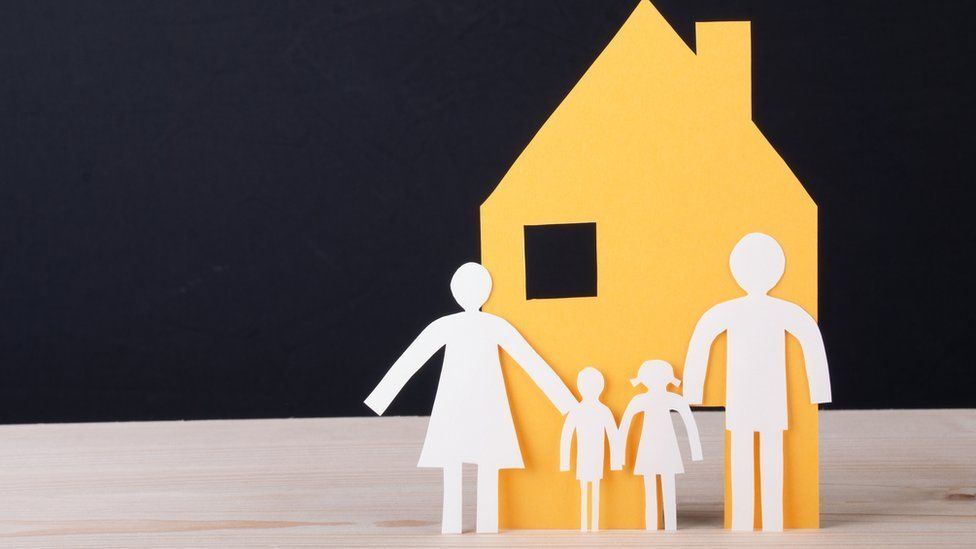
{"x":724,"y":52}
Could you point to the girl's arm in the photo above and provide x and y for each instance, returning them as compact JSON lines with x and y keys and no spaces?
{"x":632,"y":410}
{"x":691,"y":427}
{"x":616,"y":462}
{"x":566,"y":442}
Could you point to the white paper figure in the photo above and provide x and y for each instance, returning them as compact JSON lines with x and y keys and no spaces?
{"x":592,"y":422}
{"x":471,"y":421}
{"x":657,"y":452}
{"x":755,"y":396}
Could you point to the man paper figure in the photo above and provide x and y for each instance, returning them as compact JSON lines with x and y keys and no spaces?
{"x":471,"y":421}
{"x":755,"y":400}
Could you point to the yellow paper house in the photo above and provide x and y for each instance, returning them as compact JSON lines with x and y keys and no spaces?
{"x":653,"y":160}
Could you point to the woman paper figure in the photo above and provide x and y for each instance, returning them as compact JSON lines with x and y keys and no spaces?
{"x":471,"y":421}
{"x":658,"y":453}
{"x":592,"y":422}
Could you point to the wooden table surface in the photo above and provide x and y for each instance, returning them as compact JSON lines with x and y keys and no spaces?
{"x":888,"y":478}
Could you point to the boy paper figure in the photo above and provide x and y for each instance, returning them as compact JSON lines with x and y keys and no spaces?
{"x":592,"y":422}
{"x":755,"y":394}
{"x":471,"y":421}
{"x":658,"y":453}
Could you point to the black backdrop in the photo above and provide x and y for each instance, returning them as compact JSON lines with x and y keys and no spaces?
{"x":248,"y":208}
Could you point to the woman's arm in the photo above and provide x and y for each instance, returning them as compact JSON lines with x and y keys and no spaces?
{"x":548,"y":381}
{"x":427,"y":343}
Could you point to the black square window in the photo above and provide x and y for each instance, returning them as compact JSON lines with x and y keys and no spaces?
{"x":560,"y":260}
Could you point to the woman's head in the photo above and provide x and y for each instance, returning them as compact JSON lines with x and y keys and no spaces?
{"x":471,"y":286}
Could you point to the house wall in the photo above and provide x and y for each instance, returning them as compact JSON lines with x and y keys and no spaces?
{"x":646,"y":147}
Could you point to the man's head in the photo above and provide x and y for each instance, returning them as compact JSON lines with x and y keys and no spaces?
{"x":590,"y":383}
{"x":471,"y":286}
{"x":757,"y":263}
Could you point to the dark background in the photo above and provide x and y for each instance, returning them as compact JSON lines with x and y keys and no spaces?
{"x":249,"y":208}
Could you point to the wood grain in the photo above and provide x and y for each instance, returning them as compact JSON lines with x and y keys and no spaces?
{"x":889,"y":478}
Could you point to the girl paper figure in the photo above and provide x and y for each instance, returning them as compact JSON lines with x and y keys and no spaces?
{"x":658,"y":453}
{"x":592,"y":422}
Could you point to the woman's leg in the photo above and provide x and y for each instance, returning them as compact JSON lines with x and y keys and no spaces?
{"x":595,"y":512}
{"x":668,"y":502}
{"x":583,"y":503}
{"x":650,"y":502}
{"x":451,"y":517}
{"x":487,"y":515}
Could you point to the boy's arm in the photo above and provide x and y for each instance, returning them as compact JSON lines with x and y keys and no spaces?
{"x":566,"y":442}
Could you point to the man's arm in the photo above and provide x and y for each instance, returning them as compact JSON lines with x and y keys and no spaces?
{"x":427,"y":343}
{"x":548,"y":381}
{"x":711,"y":324}
{"x":804,"y":328}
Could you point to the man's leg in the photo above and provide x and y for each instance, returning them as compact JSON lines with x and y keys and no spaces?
{"x":487,"y":515}
{"x":650,"y":502}
{"x":771,"y":479}
{"x":595,"y":512}
{"x":743,"y":481}
{"x":451,"y":517}
{"x":583,"y":502}
{"x":668,"y":502}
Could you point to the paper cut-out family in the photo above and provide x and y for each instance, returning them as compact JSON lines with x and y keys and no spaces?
{"x":471,"y":421}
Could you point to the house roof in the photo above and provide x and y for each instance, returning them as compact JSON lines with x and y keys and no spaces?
{"x":651,"y":109}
